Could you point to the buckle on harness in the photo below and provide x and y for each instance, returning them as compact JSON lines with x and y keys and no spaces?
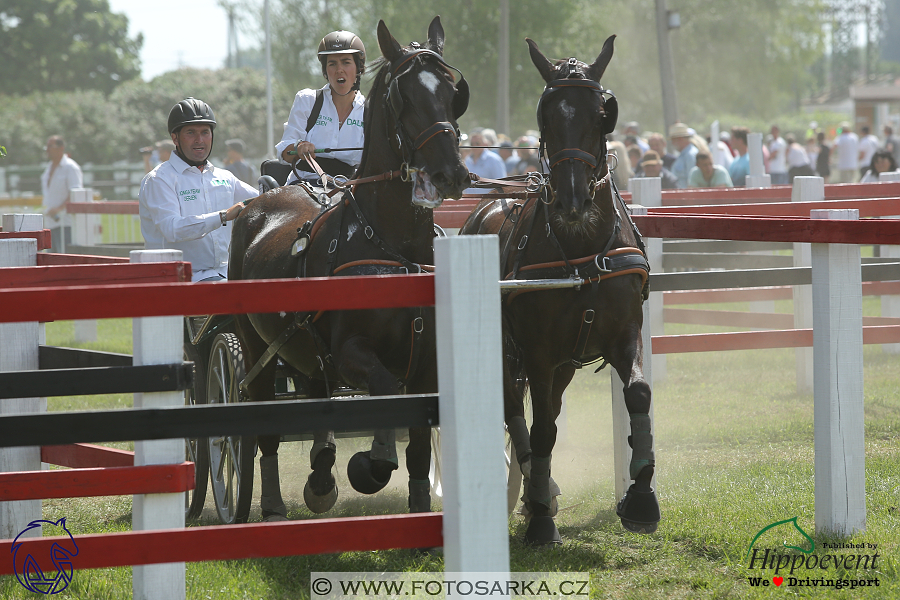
{"x":369,"y":232}
{"x":418,"y":324}
{"x":523,"y":241}
{"x":605,"y":267}
{"x":589,"y":316}
{"x":332,"y":246}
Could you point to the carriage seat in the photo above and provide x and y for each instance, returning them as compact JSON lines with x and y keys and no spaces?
{"x":272,"y":174}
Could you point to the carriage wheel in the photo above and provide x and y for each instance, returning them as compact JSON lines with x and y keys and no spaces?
{"x":230,"y":457}
{"x":434,"y":472}
{"x":196,"y":450}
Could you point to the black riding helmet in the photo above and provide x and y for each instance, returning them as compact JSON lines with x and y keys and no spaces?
{"x":191,"y":111}
{"x":343,"y":42}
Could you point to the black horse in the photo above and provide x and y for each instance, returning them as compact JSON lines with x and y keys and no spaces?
{"x":573,"y":228}
{"x":411,"y":137}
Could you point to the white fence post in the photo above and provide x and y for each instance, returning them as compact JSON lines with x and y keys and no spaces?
{"x":470,"y":381}
{"x":158,"y":340}
{"x":647,"y":192}
{"x":621,"y":422}
{"x":890,"y":305}
{"x":840,"y":461}
{"x":19,"y":352}
{"x":758,"y":176}
{"x":806,"y":189}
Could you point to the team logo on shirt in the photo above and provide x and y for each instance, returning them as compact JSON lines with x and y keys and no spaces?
{"x":188,"y":194}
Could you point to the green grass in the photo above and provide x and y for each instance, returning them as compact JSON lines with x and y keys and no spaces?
{"x":734,"y":454}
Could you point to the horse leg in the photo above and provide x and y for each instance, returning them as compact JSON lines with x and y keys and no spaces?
{"x":262,"y":389}
{"x":369,"y":472}
{"x":320,"y":492}
{"x":418,"y":450}
{"x":546,"y":399}
{"x":638,"y":508}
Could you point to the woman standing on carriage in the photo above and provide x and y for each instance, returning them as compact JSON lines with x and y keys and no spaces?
{"x":330,"y":117}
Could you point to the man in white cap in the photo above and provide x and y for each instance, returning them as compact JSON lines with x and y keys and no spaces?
{"x":680,"y":134}
{"x":847,"y":146}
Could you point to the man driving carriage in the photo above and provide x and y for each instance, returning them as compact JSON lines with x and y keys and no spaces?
{"x":186,"y":203}
{"x":330,"y":117}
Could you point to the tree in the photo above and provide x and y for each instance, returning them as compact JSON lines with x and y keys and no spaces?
{"x":54,"y":45}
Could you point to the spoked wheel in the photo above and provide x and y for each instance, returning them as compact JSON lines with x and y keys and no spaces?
{"x":230,"y":457}
{"x":196,"y":450}
{"x":434,"y":473}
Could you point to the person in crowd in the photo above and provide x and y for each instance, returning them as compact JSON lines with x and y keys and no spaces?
{"x":882,"y":162}
{"x":823,"y":158}
{"x":61,"y":175}
{"x":681,"y":137}
{"x":868,"y":144}
{"x":157,"y":153}
{"x":778,"y":157}
{"x":622,"y":172}
{"x":720,"y":151}
{"x":740,"y":166}
{"x":330,"y":118}
{"x":657,"y":143}
{"x":706,"y":174}
{"x":797,"y":159}
{"x":652,"y":166}
{"x":483,"y":162}
{"x":634,"y":157}
{"x":892,"y":143}
{"x":510,"y":157}
{"x":812,"y":150}
{"x":234,"y":161}
{"x":186,"y":203}
{"x":847,"y":145}
{"x":530,"y":163}
{"x":632,"y":130}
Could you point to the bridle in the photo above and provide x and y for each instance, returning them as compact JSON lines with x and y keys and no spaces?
{"x":394,"y":100}
{"x":572,"y":75}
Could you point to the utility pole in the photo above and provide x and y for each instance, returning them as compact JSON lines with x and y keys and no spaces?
{"x":270,"y":137}
{"x":666,"y":67}
{"x":503,"y":70}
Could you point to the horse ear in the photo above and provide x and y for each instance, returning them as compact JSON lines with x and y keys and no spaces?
{"x":390,"y":48}
{"x":436,"y":36}
{"x":540,"y":61}
{"x":596,"y":70}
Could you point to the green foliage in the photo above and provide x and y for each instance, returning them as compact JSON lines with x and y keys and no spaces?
{"x":102,"y":130}
{"x":53,"y":45}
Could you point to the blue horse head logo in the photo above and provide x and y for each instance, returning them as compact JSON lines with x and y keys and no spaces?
{"x":29,"y":573}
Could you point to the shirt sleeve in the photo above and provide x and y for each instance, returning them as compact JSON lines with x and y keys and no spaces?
{"x":158,"y":199}
{"x":74,"y":178}
{"x":295,"y":128}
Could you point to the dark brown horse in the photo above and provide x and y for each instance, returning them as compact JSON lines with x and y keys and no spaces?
{"x":573,"y":229}
{"x":410,"y":133}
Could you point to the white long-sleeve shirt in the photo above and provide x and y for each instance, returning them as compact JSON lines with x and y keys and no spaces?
{"x":55,"y":189}
{"x":179,"y":207}
{"x":327,"y":132}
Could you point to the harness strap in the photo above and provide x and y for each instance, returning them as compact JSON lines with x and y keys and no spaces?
{"x":376,"y":239}
{"x":379,"y":263}
{"x":270,"y":353}
{"x":587,"y":318}
{"x":573,"y":154}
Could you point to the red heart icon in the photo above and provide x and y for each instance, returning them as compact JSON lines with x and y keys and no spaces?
{"x":777,"y":580}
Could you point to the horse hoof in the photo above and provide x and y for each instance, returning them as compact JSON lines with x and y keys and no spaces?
{"x":639,"y":511}
{"x":359,"y":472}
{"x":274,"y":518}
{"x":542,"y":531}
{"x":319,"y":504}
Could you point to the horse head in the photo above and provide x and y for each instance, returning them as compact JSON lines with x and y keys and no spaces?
{"x":575,"y":114}
{"x":423,"y":102}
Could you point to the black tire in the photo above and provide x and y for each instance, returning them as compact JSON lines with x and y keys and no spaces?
{"x":230,"y":457}
{"x":196,"y":450}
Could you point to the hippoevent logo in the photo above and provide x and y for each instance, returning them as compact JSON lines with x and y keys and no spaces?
{"x":29,"y":573}
{"x":801,"y":566}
